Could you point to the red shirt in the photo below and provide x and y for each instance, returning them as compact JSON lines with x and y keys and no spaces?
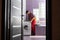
{"x":30,"y":17}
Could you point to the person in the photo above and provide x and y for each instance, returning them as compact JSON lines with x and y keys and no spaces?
{"x":31,"y":17}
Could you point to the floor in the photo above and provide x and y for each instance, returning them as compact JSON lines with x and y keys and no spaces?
{"x":34,"y":38}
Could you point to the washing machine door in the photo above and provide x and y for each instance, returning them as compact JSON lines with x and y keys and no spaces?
{"x":27,"y":28}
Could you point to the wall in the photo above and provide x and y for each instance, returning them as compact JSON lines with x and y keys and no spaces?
{"x":30,"y":4}
{"x":0,"y":16}
{"x":55,"y":19}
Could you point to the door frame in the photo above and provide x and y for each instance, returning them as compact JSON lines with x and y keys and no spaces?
{"x":5,"y":18}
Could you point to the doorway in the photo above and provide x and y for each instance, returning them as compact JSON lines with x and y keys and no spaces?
{"x":27,"y":19}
